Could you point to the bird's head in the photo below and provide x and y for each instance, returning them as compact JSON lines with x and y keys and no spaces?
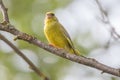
{"x":51,"y":16}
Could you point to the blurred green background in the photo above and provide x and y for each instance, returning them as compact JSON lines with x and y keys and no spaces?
{"x":80,"y":18}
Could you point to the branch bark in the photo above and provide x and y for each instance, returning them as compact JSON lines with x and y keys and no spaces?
{"x":4,"y":12}
{"x":78,"y":59}
{"x":6,"y":22}
{"x":32,"y":66}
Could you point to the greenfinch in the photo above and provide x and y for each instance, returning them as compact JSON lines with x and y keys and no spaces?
{"x":56,"y":34}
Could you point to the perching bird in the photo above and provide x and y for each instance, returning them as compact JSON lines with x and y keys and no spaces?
{"x":57,"y":35}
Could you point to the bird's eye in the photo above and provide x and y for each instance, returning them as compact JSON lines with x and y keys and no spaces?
{"x":52,"y":14}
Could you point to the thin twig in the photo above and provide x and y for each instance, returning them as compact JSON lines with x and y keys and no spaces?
{"x":106,"y":20}
{"x":103,"y":13}
{"x":32,"y":66}
{"x":4,"y":12}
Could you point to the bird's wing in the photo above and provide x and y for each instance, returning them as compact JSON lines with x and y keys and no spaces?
{"x":65,"y":33}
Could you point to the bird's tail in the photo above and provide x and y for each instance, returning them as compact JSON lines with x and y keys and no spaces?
{"x":75,"y":51}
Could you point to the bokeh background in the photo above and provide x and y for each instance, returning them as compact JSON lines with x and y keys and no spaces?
{"x":82,"y":19}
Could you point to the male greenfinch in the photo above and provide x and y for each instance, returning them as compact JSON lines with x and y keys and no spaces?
{"x":56,"y":34}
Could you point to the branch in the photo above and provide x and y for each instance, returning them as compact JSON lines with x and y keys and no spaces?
{"x":106,"y":20}
{"x":78,"y":59}
{"x":32,"y":66}
{"x":5,"y":22}
{"x":4,"y":12}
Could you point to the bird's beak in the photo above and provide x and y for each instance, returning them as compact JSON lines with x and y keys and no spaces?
{"x":49,"y":16}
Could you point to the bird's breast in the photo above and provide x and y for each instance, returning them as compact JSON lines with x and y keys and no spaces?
{"x":50,"y":31}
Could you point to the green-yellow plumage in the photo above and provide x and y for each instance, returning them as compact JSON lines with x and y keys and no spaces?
{"x":57,"y":35}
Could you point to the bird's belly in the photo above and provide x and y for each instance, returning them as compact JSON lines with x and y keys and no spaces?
{"x":55,"y":38}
